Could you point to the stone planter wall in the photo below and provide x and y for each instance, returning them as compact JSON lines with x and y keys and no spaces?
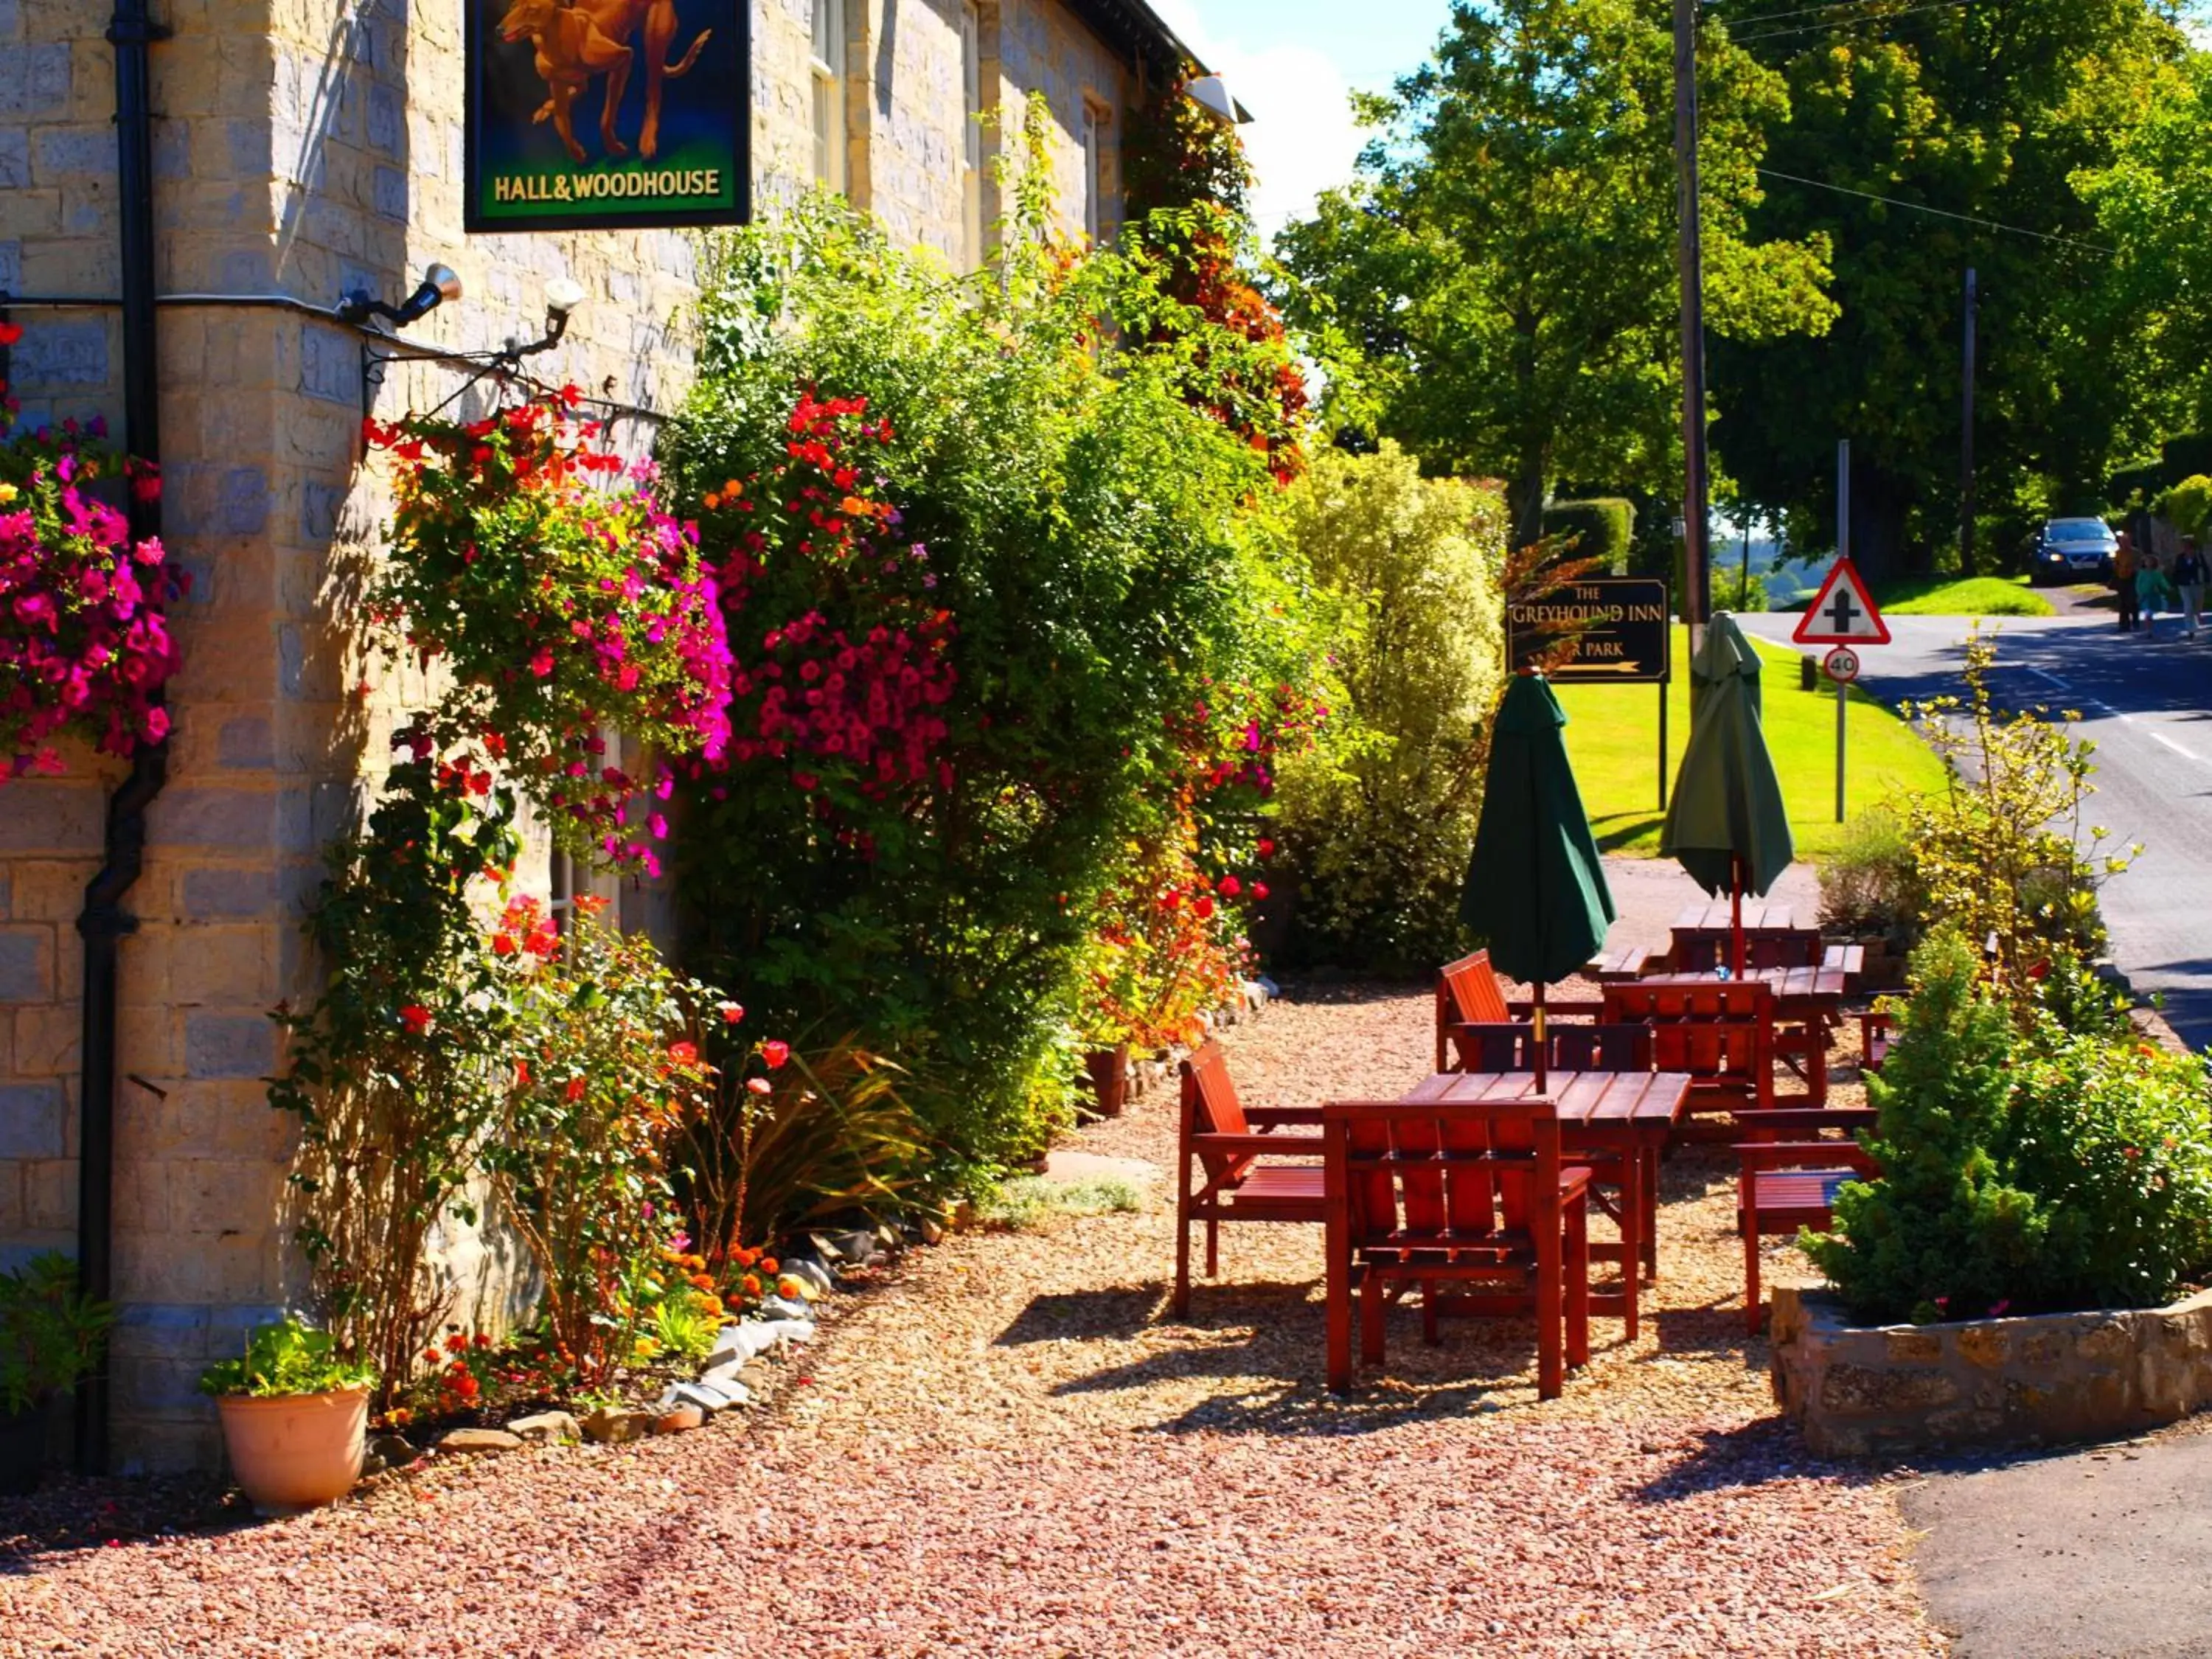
{"x":1856,"y":1390}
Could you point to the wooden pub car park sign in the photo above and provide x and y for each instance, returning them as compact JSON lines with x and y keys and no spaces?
{"x":1615,"y":630}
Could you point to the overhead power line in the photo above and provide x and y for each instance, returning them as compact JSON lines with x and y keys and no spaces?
{"x":1840,"y":22}
{"x":1808,"y":11}
{"x":1940,"y":213}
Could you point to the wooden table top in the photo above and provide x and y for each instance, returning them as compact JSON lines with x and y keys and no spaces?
{"x":1759,"y":916}
{"x":1798,"y":985}
{"x":1647,"y":1100}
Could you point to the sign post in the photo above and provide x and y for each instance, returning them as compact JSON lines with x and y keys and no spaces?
{"x":1844,"y":615}
{"x":1610,"y":630}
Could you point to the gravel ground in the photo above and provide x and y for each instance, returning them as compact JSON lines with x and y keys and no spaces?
{"x":1010,"y":1450}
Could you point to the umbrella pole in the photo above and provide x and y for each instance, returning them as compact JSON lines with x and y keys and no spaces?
{"x":1542,"y":1042}
{"x":1735,"y":923}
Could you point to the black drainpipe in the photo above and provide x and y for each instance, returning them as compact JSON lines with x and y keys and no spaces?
{"x":104,"y":921}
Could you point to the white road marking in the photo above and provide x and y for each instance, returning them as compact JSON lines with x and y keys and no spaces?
{"x":2161,"y":737}
{"x":2063,"y":685}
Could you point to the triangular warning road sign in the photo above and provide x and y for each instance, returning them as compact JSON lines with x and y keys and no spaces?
{"x":1844,"y":613}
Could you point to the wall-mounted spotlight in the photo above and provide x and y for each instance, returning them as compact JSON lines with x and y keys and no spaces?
{"x":562,"y":295}
{"x":439,"y":284}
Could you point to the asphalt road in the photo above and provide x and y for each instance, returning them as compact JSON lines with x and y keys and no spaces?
{"x":2148,"y":705}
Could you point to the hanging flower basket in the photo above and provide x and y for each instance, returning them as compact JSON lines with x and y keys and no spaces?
{"x":84,"y":642}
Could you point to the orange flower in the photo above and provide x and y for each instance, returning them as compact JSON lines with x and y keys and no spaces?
{"x":768,"y":1265}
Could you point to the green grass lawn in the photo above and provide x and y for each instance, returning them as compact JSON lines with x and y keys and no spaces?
{"x":1613,"y":736}
{"x":1963,"y":596}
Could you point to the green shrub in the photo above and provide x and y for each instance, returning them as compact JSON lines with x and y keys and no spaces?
{"x":1872,"y":883}
{"x":50,"y":1332}
{"x":2187,"y":506}
{"x":2025,"y":1169}
{"x":1059,"y":583}
{"x":2004,"y":851}
{"x":2114,"y":1137}
{"x":1943,"y":1229}
{"x":1378,"y":823}
{"x":828,"y":1136}
{"x":1604,"y":529}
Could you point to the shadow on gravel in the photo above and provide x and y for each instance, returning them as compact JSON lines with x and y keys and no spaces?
{"x":1083,"y":1315}
{"x":1750,"y":1454}
{"x":69,"y":1515}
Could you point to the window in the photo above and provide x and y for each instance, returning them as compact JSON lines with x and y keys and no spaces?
{"x":829,"y":93}
{"x":561,"y":890}
{"x":1094,"y":177}
{"x":971,"y":152}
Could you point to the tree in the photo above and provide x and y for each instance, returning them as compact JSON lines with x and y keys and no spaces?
{"x":1506,"y":256}
{"x":1991,"y":112}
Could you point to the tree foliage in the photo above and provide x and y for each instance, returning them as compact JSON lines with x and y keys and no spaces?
{"x":1507,"y":256}
{"x":2015,"y":115}
{"x":1379,"y":823}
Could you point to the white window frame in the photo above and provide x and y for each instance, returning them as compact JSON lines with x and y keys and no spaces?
{"x":971,"y":137}
{"x":826,"y":50}
{"x":1094,"y":169}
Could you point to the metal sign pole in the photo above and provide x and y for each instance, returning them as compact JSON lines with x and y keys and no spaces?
{"x":1843,"y":701}
{"x":1663,"y":689}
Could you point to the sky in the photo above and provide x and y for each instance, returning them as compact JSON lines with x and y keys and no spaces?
{"x":1294,"y":64}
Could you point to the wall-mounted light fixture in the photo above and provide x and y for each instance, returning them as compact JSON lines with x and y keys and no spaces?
{"x":439,"y":284}
{"x":562,"y":295}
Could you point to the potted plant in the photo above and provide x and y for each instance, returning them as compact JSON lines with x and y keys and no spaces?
{"x":50,"y":1337}
{"x":295,"y":1417}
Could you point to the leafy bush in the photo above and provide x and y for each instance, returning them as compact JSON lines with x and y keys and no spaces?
{"x":1943,"y":1229}
{"x":813,"y":1136}
{"x":993,"y":502}
{"x":1378,"y":823}
{"x":2002,"y":852}
{"x":2114,"y":1137}
{"x":1872,"y":882}
{"x":286,"y":1357}
{"x":2186,"y":506}
{"x":397,"y":1072}
{"x":50,"y":1332}
{"x":1602,"y":529}
{"x":2023,"y":1170}
{"x":608,"y":1074}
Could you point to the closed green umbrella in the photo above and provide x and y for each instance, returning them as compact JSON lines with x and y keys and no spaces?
{"x":1728,"y":826}
{"x":1536,"y":888}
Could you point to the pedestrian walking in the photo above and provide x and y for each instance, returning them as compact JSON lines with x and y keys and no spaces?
{"x":2123,"y":580}
{"x":2150,"y":593}
{"x":2188,"y":574}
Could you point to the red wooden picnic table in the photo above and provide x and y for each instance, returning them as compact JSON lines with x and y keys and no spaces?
{"x":1811,"y":999}
{"x":1624,"y":1114}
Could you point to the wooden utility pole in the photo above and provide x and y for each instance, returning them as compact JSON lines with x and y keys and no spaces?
{"x":1966,"y":427}
{"x":1696,"y":563}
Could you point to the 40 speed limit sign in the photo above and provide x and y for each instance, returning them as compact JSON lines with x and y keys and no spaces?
{"x":1841,"y":665}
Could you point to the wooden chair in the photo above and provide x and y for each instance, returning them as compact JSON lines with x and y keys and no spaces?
{"x":1787,"y":1178}
{"x":1579,"y":1048}
{"x":1876,"y":1035}
{"x":1468,"y":993}
{"x":1567,"y":1048}
{"x":1719,"y":1032}
{"x":1228,"y":1144}
{"x":1475,"y":1194}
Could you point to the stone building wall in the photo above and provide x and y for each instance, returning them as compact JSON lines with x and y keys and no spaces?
{"x":308,"y":150}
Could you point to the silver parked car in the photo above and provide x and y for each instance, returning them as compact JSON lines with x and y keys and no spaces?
{"x":2072,"y":549}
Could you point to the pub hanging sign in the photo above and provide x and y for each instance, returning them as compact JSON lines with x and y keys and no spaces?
{"x":606,"y":115}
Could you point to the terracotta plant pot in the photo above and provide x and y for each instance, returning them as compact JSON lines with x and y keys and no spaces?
{"x":1110,"y":1079}
{"x":296,"y":1451}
